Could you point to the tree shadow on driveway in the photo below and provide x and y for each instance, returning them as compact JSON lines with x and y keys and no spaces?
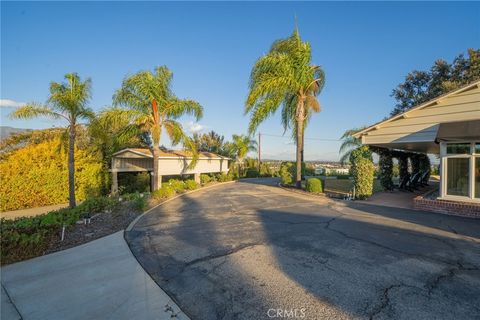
{"x":237,"y":252}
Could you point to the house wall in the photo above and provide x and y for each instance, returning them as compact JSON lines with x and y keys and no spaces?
{"x":179,"y":166}
{"x":169,"y":166}
{"x":422,"y":125}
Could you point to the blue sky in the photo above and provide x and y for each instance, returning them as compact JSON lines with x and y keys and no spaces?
{"x":365,"y":48}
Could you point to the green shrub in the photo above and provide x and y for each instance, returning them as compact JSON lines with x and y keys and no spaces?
{"x":252,"y":173}
{"x":385,"y":172}
{"x":140,"y":203}
{"x":37,"y":175}
{"x":362,"y":171}
{"x":205,"y":178}
{"x":191,"y":185}
{"x":287,"y":170}
{"x":177,"y":185}
{"x":343,"y":177}
{"x":223,"y":177}
{"x":164,"y":192}
{"x":314,"y":185}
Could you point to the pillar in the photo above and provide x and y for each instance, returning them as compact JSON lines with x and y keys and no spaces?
{"x":114,"y":182}
{"x":196,"y":177}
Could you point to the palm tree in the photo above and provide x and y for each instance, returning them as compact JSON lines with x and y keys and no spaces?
{"x":285,"y":76}
{"x":152,"y":107}
{"x":67,"y":101}
{"x":349,"y":144}
{"x":242,"y":144}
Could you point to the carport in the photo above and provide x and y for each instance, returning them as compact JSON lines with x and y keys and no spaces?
{"x":171,"y":162}
{"x":448,"y":127}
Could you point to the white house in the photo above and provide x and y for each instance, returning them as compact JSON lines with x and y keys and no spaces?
{"x":171,"y":162}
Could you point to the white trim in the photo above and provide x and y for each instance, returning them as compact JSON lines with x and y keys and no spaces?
{"x":419,"y":107}
{"x":471,"y":156}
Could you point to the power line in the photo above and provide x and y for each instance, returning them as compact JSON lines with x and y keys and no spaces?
{"x":316,"y":139}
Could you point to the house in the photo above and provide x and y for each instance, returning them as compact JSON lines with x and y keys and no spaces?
{"x":171,"y":163}
{"x":448,"y":126}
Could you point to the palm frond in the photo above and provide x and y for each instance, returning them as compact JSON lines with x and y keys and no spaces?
{"x":34,"y":110}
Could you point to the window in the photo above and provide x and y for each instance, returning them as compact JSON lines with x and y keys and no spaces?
{"x":458,"y":148}
{"x":458,"y":176}
{"x":461,"y":170}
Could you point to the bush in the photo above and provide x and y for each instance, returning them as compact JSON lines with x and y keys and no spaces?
{"x":314,"y":185}
{"x":223,"y":177}
{"x":205,"y":178}
{"x":362,"y":171}
{"x":140,"y":202}
{"x":385,"y":172}
{"x":36,"y":175}
{"x":191,"y":185}
{"x":343,"y":177}
{"x":177,"y":185}
{"x":287,"y":170}
{"x":164,"y":192}
{"x":252,"y":173}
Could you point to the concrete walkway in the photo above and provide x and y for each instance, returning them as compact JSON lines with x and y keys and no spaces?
{"x":31,"y":212}
{"x":97,"y":280}
{"x":399,"y":198}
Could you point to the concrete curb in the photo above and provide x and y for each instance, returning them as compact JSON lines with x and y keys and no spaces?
{"x":132,"y":224}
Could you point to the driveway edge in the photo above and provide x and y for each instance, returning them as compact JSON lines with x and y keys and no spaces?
{"x":134,"y":222}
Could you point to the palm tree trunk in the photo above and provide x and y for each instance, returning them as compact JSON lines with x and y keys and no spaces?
{"x":303,"y":152}
{"x":71,"y":167}
{"x":299,"y":118}
{"x":155,"y":174}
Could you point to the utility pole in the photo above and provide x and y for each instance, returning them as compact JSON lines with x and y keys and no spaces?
{"x":259,"y":150}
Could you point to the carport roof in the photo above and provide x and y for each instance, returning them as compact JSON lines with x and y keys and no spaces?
{"x":452,"y":116}
{"x":167,"y":154}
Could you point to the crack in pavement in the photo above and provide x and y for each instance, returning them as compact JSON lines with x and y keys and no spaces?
{"x":450,"y":273}
{"x":214,"y":256}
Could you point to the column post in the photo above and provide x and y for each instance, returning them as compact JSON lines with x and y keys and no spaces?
{"x":114,"y":182}
{"x":196,"y":177}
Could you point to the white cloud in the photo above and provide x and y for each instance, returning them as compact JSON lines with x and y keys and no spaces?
{"x":7,"y":103}
{"x":194,"y":127}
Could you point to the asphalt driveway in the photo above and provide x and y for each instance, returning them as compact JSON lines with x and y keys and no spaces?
{"x":252,"y":251}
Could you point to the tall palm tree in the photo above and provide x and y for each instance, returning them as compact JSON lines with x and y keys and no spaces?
{"x":242,"y":144}
{"x":349,"y":144}
{"x":67,"y":101}
{"x":286,"y":77}
{"x":152,"y":107}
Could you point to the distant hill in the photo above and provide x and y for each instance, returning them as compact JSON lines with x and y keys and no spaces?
{"x":5,"y":131}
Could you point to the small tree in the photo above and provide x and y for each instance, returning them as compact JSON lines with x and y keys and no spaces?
{"x":67,"y":101}
{"x":362,"y":170}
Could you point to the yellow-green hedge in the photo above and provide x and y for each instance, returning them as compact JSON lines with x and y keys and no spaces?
{"x":37,"y":175}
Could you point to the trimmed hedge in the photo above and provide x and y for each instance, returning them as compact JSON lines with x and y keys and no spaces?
{"x":37,"y":175}
{"x":363,"y":171}
{"x":314,"y":185}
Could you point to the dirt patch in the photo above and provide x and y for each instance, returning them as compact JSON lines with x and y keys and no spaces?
{"x":100,"y":225}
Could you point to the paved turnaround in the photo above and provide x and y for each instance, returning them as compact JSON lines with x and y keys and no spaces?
{"x":97,"y":280}
{"x":252,"y":251}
